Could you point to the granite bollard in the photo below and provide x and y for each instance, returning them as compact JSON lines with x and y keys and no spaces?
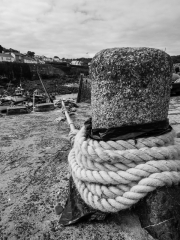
{"x":129,"y":86}
{"x":128,"y":151}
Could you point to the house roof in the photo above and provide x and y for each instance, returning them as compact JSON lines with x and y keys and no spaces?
{"x":5,"y":55}
{"x":17,"y":54}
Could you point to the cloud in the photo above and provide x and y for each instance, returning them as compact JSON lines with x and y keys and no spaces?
{"x":72,"y":28}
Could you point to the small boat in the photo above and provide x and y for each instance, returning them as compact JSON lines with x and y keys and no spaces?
{"x":5,"y":98}
{"x":39,"y":96}
{"x":18,"y":96}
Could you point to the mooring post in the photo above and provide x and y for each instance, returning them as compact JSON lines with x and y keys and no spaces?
{"x":33,"y":102}
{"x":127,"y":151}
{"x":80,"y":89}
{"x":130,"y":86}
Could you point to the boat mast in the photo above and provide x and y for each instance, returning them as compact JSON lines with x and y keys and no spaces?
{"x":9,"y":81}
{"x":8,"y":85}
{"x":44,"y":86}
{"x":20,"y":76}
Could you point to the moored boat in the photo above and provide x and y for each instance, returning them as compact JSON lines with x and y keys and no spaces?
{"x":18,"y":96}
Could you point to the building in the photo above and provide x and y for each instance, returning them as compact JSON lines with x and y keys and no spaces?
{"x":75,"y":62}
{"x":40,"y":62}
{"x":5,"y":57}
{"x":57,"y":59}
{"x":18,"y":57}
{"x":46,"y":59}
{"x":29,"y":60}
{"x":39,"y":59}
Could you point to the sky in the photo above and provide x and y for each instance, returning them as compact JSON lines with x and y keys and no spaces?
{"x":81,"y":28}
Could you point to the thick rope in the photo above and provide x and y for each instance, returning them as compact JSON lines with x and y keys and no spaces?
{"x":114,"y":175}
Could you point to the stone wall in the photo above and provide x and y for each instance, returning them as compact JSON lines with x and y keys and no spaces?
{"x":15,"y":71}
{"x":55,"y":79}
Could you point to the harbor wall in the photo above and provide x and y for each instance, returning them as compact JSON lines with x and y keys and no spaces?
{"x":15,"y":71}
{"x":58,"y":78}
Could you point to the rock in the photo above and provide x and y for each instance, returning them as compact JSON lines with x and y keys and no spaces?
{"x":72,"y":113}
{"x":60,"y":119}
{"x":58,"y":209}
{"x":50,"y":150}
{"x":58,"y":103}
{"x":70,"y":103}
{"x":159,"y":213}
{"x":178,"y":135}
{"x":73,"y":109}
{"x":130,"y":86}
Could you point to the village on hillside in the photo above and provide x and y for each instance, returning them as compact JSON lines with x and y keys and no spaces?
{"x":11,"y":55}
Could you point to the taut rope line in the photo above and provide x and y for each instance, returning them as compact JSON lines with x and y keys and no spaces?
{"x":114,"y":175}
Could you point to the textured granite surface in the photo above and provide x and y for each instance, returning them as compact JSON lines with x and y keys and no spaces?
{"x":159,"y":213}
{"x":130,"y":86}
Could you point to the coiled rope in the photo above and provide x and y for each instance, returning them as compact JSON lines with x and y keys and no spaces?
{"x":114,"y":175}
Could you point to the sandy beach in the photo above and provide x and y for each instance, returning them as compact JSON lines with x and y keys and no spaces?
{"x":34,"y":177}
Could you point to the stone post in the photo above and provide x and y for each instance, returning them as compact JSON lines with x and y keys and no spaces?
{"x":130,"y":86}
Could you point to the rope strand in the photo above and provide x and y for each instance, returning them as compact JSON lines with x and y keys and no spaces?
{"x":112,"y":176}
